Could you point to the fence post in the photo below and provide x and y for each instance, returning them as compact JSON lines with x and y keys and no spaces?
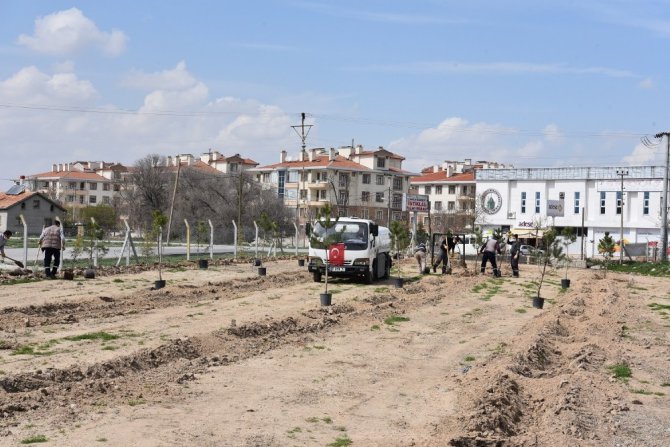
{"x":188,"y":240}
{"x":256,"y":226}
{"x":296,"y":238}
{"x":235,"y":240}
{"x":25,"y":240}
{"x":211,"y":239}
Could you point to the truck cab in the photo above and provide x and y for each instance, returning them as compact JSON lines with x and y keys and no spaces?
{"x":366,"y":247}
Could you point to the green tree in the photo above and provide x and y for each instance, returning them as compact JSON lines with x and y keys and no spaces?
{"x":399,"y":236}
{"x":93,"y":241}
{"x":569,"y":237}
{"x":320,"y":236}
{"x":551,"y":253}
{"x":607,"y":246}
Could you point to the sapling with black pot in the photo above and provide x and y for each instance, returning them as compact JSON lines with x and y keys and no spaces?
{"x":322,"y":237}
{"x":159,"y":221}
{"x":552,"y":253}
{"x":607,"y":247}
{"x":569,"y":237}
{"x":400,"y":241}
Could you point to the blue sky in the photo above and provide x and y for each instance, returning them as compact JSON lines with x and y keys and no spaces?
{"x":531,"y":83}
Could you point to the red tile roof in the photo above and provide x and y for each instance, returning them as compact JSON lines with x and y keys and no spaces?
{"x":9,"y":200}
{"x":71,"y":175}
{"x":441,"y":176}
{"x":320,"y":161}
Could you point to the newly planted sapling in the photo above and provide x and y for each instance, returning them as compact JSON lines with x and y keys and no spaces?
{"x":607,"y":246}
{"x":322,"y":237}
{"x":552,"y":253}
{"x":569,"y":237}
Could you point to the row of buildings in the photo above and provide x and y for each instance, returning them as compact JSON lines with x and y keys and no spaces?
{"x":374,"y":184}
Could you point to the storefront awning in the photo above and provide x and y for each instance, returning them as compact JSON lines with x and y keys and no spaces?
{"x":527,"y":233}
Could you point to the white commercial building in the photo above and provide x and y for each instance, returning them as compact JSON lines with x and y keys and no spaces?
{"x":526,"y":200}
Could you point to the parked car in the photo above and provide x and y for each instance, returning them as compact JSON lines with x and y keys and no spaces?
{"x":529,"y":250}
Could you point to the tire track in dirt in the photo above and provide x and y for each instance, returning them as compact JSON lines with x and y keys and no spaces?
{"x":153,"y":374}
{"x":554,"y":389}
{"x":69,"y":312}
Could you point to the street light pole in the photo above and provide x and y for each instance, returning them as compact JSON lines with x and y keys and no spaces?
{"x":621,"y":173}
{"x":664,"y":198}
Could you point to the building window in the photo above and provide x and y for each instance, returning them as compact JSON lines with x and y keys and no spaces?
{"x":464,"y":190}
{"x":344,"y":180}
{"x":426,"y":190}
{"x":577,"y":203}
{"x":379,"y":215}
{"x":303,"y":194}
{"x":366,"y":179}
{"x":105,"y":186}
{"x":343,"y":197}
{"x":105,"y":200}
{"x":366,"y":213}
{"x":379,"y":197}
{"x":92,"y":186}
{"x":645,"y":203}
{"x":397,"y":201}
{"x":92,"y":199}
{"x":452,"y":189}
{"x":321,"y":195}
{"x":365,"y":196}
{"x":81,"y":200}
{"x":619,"y":202}
{"x":425,"y":221}
{"x":381,"y":162}
{"x":537,"y":202}
{"x":45,"y":184}
{"x":397,"y":183}
{"x":380,"y":180}
{"x":438,"y":189}
{"x":451,"y":206}
{"x":36,"y":203}
{"x":603,"y":196}
{"x":69,"y":198}
{"x":266,"y":177}
{"x":397,"y":216}
{"x":233,"y":167}
{"x":72,"y":185}
{"x":438,"y":206}
{"x":523,"y":202}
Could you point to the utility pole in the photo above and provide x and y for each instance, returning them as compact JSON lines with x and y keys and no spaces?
{"x":388,"y":218}
{"x":304,"y":131}
{"x":621,"y":173}
{"x":664,"y":198}
{"x":174,"y":194}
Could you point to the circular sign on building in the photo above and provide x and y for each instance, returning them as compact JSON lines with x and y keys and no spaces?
{"x":491,"y":201}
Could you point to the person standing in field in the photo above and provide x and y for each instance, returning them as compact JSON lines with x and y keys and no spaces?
{"x":489,"y":250}
{"x":420,"y":256}
{"x":515,"y":252}
{"x":52,"y":243}
{"x":443,"y":257}
{"x":4,"y":237}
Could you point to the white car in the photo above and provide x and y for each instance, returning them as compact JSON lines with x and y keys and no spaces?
{"x":529,"y":250}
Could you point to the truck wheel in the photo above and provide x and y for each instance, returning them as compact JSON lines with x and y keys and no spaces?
{"x":387,"y":267}
{"x":367,"y":278}
{"x":317,"y":276}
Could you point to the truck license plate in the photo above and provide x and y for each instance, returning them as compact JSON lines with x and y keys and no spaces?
{"x":337,"y":269}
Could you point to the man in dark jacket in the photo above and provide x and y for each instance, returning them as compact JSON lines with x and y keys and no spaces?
{"x":443,"y":257}
{"x":52,"y":242}
{"x":489,"y":250}
{"x":515,"y":252}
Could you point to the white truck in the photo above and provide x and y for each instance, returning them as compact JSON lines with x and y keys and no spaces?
{"x":367,"y":249}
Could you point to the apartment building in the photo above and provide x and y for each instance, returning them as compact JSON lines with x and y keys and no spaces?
{"x":366,"y":183}
{"x":80,"y":183}
{"x":228,"y":165}
{"x":451,"y":190}
{"x":525,"y":201}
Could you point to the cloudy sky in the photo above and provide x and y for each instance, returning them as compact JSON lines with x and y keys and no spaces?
{"x":533,"y":83}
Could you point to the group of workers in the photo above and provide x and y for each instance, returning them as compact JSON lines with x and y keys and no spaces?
{"x":51,"y":242}
{"x":488,"y":250}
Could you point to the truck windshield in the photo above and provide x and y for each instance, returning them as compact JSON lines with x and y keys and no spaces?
{"x":354,"y":235}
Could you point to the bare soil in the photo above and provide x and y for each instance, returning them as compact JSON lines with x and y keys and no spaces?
{"x":225,"y":357}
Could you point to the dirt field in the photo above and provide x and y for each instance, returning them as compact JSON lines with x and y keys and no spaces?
{"x":225,"y":357}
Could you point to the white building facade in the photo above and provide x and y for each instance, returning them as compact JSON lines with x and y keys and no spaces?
{"x":526,"y":200}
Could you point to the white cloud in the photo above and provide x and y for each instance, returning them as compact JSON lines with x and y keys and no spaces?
{"x":456,"y":139}
{"x":175,"y":78}
{"x":641,"y":155}
{"x":47,"y":118}
{"x":31,"y":86}
{"x":553,"y":134}
{"x":68,"y":32}
{"x":647,"y":84}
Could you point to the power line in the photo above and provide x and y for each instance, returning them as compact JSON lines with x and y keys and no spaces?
{"x":340,"y":118}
